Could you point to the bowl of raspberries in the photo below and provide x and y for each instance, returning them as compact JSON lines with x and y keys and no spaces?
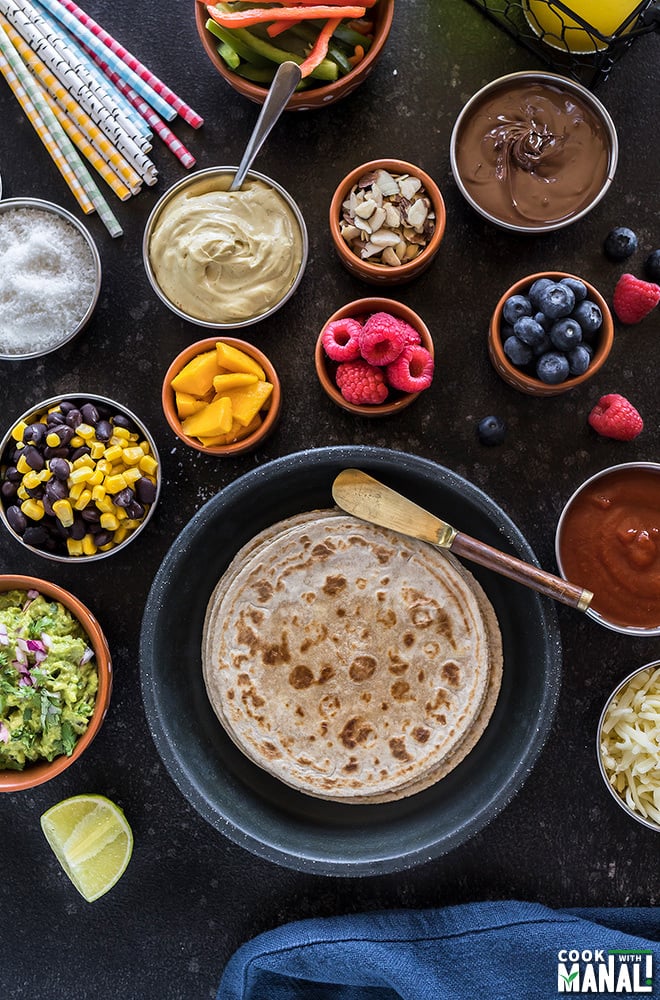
{"x":374,"y":357}
{"x":549,"y":333}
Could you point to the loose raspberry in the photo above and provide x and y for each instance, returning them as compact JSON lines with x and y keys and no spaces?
{"x":410,"y":334}
{"x":615,"y":417}
{"x":360,"y":383}
{"x":412,"y":371}
{"x":381,"y":339}
{"x":341,"y":339}
{"x":634,"y":299}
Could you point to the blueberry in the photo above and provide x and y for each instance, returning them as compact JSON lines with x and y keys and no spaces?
{"x":579,"y":359}
{"x":536,"y":289}
{"x":556,"y":300}
{"x":565,"y":334}
{"x":542,"y":346}
{"x":491,"y":430}
{"x":542,"y":320}
{"x":578,"y":287}
{"x":552,"y":368}
{"x":516,"y":306}
{"x":589,"y":316}
{"x":528,"y":330}
{"x":652,"y":266}
{"x":517,"y":352}
{"x":620,"y":243}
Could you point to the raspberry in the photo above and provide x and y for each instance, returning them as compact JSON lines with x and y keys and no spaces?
{"x":614,"y":417}
{"x":634,"y":299}
{"x":341,"y":339}
{"x":381,"y":339}
{"x":359,"y":382}
{"x":412,"y":371}
{"x":410,"y":335}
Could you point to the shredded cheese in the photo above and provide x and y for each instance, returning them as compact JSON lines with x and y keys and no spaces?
{"x":630,"y":743}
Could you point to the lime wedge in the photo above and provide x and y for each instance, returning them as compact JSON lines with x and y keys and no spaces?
{"x":91,"y":839}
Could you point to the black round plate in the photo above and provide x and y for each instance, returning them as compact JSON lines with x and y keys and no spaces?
{"x":261,"y":813}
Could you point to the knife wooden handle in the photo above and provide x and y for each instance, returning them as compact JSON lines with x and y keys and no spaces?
{"x":522,"y":572}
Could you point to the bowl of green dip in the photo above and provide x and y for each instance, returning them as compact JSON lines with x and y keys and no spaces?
{"x":55,"y":680}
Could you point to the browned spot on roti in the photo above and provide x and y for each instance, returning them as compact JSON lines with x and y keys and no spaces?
{"x":301,"y":677}
{"x":270,"y":750}
{"x":351,"y":766}
{"x":334,"y":585}
{"x":451,"y":672}
{"x":362,"y":668}
{"x":264,"y":590}
{"x":420,"y":734}
{"x":276,"y":653}
{"x":398,"y":748}
{"x":327,"y":672}
{"x":355,"y":732}
{"x":400,"y":691}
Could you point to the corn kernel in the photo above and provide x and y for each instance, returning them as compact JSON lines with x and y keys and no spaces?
{"x":76,"y":441}
{"x":120,"y":534}
{"x":98,"y":493}
{"x":63,"y":512}
{"x":149,"y":465}
{"x":109,"y":522}
{"x":76,"y":490}
{"x":113,"y":453}
{"x":86,"y":431}
{"x":22,"y":493}
{"x":88,"y":545}
{"x":120,"y":513}
{"x":83,"y":499}
{"x":96,"y":449}
{"x":131,"y":456}
{"x":131,"y":523}
{"x":106,"y":547}
{"x":23,"y":466}
{"x":31,"y":479}
{"x":53,"y":440}
{"x":33,"y":509}
{"x":114,"y":484}
{"x":104,"y":466}
{"x":45,"y":475}
{"x":122,"y":432}
{"x":146,"y":447}
{"x":96,"y":478}
{"x":105,"y":504}
{"x":84,"y":460}
{"x":74,"y":547}
{"x":132,"y":475}
{"x":80,"y":475}
{"x":18,"y":431}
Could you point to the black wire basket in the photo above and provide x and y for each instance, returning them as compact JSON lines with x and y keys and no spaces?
{"x":563,"y":38}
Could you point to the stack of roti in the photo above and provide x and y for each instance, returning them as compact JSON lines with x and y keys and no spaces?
{"x":352,"y":663}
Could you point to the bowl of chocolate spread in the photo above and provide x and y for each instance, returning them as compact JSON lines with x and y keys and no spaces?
{"x":533,"y":151}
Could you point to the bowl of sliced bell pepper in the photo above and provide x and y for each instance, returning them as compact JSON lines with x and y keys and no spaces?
{"x":336,"y":44}
{"x":221,"y":396}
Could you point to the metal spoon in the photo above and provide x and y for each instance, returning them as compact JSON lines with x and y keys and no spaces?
{"x":284,"y":83}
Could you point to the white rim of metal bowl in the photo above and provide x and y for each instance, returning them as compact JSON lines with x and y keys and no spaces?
{"x":87,"y":397}
{"x":189,"y":181}
{"x":39,"y":204}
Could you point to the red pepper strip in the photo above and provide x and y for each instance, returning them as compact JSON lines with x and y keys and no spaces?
{"x":315,"y":3}
{"x":320,"y":48}
{"x":364,"y":27}
{"x":277,"y":27}
{"x":248,"y":18}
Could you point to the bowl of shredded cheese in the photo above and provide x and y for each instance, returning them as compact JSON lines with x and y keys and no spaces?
{"x":50,"y":278}
{"x":628,"y":745}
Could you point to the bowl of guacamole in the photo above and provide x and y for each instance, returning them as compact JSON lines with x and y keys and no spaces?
{"x":55,"y":678}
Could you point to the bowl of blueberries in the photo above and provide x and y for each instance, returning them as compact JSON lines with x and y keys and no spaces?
{"x":549,"y":333}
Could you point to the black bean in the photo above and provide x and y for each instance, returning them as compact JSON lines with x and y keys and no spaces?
{"x":50,"y":453}
{"x":119,"y":420}
{"x":91,"y":515}
{"x":35,"y":492}
{"x":60,"y":468}
{"x":78,"y":529}
{"x":56,"y":489}
{"x":17,"y":519}
{"x":125,"y":497}
{"x":90,"y":414}
{"x":104,"y":430}
{"x":66,"y":406}
{"x":74,"y":418}
{"x":33,"y":457}
{"x":48,"y":504}
{"x":145,"y":490}
{"x":8,"y":489}
{"x":135,"y":510}
{"x":35,"y":534}
{"x":54,"y":417}
{"x":35,"y":433}
{"x":102,"y":538}
{"x":12,"y":474}
{"x":84,"y":449}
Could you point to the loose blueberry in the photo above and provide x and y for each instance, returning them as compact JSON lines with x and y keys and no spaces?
{"x":491,"y":430}
{"x":652,"y":266}
{"x":516,"y":306}
{"x":529,"y":331}
{"x":579,"y":359}
{"x":589,"y":316}
{"x":620,"y":243}
{"x":517,"y":352}
{"x":566,"y":334}
{"x":539,"y":285}
{"x":578,"y":287}
{"x":552,"y":368}
{"x":556,"y":300}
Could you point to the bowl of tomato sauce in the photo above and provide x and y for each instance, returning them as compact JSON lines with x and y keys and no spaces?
{"x":608,"y":540}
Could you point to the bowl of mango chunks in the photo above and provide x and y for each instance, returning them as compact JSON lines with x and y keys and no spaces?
{"x":221,"y":396}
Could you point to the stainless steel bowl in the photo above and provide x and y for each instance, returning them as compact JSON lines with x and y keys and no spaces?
{"x":551,"y":79}
{"x":625,"y":629}
{"x":619,"y":689}
{"x":200,"y":179}
{"x":37,"y":204}
{"x":33,"y":414}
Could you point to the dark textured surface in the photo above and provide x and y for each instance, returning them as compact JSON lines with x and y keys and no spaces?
{"x":190,"y":896}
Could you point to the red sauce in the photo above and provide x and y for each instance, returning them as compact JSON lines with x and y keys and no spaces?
{"x":610,"y":544}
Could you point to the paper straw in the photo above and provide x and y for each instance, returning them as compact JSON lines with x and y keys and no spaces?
{"x":184,"y":110}
{"x":160,"y":128}
{"x":83,"y":65}
{"x":76,"y":87}
{"x":10,"y":71}
{"x":124,"y":71}
{"x":64,"y":99}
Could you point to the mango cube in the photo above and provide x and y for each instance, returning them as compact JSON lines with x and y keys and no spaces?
{"x":197,"y":376}
{"x":187,"y":404}
{"x":248,"y":400}
{"x":213,"y":419}
{"x":232,"y":380}
{"x":237,"y":361}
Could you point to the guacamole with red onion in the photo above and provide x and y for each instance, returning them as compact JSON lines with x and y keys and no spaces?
{"x":48,"y":679}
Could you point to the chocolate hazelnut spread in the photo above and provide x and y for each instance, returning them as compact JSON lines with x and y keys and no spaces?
{"x":532,"y":154}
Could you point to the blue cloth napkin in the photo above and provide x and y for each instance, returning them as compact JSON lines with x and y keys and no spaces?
{"x":477,"y":951}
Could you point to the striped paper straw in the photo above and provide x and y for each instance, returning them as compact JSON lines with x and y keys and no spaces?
{"x":77,"y":88}
{"x":82,"y":64}
{"x":9,"y":67}
{"x":160,"y":128}
{"x":65,"y":101}
{"x":184,"y":110}
{"x":126,"y":73}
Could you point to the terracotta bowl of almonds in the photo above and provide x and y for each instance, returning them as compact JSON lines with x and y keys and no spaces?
{"x":387,"y":221}
{"x":374,"y":357}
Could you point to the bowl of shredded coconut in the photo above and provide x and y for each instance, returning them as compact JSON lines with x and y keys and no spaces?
{"x":628,"y":744}
{"x":50,"y":278}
